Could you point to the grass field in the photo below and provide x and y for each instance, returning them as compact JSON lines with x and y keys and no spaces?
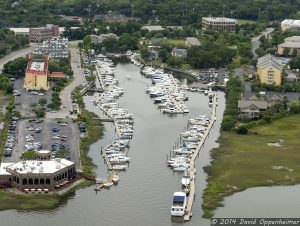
{"x":240,"y":22}
{"x":244,"y":161}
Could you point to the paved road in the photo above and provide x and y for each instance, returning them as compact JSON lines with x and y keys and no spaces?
{"x":248,"y":90}
{"x":255,"y":40}
{"x":65,"y":94}
{"x":15,"y":54}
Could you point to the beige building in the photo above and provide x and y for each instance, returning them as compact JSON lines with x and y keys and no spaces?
{"x":37,"y":174}
{"x":292,"y":44}
{"x":36,"y":76}
{"x":219,"y":23}
{"x":269,"y":70}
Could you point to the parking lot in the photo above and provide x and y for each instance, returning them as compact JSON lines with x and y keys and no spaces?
{"x":58,"y":136}
{"x":25,"y":98}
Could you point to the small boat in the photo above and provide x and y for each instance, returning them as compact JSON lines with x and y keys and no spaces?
{"x":108,"y":184}
{"x":115,"y":179}
{"x":186,"y":179}
{"x":129,"y":76}
{"x":179,"y":204}
{"x":119,"y":167}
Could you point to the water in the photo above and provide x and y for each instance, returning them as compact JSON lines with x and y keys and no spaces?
{"x":144,"y":193}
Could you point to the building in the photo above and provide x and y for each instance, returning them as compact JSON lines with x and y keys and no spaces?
{"x":219,"y":23}
{"x":253,"y":107}
{"x":25,"y":30}
{"x":153,"y":28}
{"x":43,"y":33}
{"x":291,"y":45}
{"x":56,"y":48}
{"x":56,"y":75}
{"x":191,"y":41}
{"x":179,"y":52}
{"x":291,"y":77}
{"x":36,"y":76}
{"x":112,"y":17}
{"x":289,"y":24}
{"x":100,"y":38}
{"x":37,"y":174}
{"x":269,"y":69}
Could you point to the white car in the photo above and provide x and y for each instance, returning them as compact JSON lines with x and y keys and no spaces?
{"x":56,"y":137}
{"x":64,"y":124}
{"x":41,"y":94}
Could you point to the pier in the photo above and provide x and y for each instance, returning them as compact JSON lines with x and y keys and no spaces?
{"x":188,"y":212}
{"x":102,"y":185}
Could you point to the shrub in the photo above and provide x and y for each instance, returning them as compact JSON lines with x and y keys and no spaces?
{"x":242,"y":129}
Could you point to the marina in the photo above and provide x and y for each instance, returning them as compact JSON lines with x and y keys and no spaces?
{"x":153,"y":184}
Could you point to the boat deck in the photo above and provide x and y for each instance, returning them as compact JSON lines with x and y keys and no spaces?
{"x":188,"y":212}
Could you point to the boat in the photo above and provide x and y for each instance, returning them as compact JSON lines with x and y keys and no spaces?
{"x":119,"y":167}
{"x":115,"y":179}
{"x":129,"y":77}
{"x":108,"y":184}
{"x":186,"y":179}
{"x":179,"y":204}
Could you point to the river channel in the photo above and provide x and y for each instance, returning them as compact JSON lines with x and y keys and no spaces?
{"x":144,"y":193}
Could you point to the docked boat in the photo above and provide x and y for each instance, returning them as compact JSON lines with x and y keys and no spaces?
{"x":186,"y":179}
{"x":119,"y":167}
{"x":179,"y":204}
{"x":129,"y":77}
{"x":115,"y":179}
{"x":108,"y":184}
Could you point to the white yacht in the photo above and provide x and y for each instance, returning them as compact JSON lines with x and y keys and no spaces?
{"x":179,"y":204}
{"x":186,"y":179}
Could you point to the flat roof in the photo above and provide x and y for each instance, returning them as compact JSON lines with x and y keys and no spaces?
{"x":3,"y":168}
{"x":37,"y":66}
{"x":219,"y":19}
{"x":39,"y":167}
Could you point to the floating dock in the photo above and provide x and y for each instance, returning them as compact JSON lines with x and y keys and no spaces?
{"x":110,"y":179}
{"x":192,"y":172}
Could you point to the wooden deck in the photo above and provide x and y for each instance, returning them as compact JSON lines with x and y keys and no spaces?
{"x":192,"y":172}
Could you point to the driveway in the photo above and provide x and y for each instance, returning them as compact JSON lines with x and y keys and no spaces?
{"x":239,"y":72}
{"x":65,"y":94}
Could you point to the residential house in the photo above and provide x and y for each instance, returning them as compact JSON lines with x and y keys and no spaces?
{"x":269,"y":69}
{"x":253,"y":108}
{"x":179,"y":52}
{"x":291,"y":77}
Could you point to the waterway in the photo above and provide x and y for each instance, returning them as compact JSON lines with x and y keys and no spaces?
{"x":144,"y":193}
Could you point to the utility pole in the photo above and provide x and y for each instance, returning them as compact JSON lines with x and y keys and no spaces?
{"x":223,"y":10}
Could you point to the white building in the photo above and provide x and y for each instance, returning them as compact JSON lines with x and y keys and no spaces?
{"x":289,"y":24}
{"x":37,"y":174}
{"x":219,"y":23}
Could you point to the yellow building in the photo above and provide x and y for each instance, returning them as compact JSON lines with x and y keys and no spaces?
{"x":269,"y":70}
{"x":36,"y":76}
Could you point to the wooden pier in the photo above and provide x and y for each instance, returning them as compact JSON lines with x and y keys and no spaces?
{"x":110,"y":179}
{"x":188,"y":212}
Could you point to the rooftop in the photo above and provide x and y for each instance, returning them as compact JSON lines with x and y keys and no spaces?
{"x":291,"y":22}
{"x":219,"y":19}
{"x":269,"y":60}
{"x":37,"y":167}
{"x":192,"y":41}
{"x":292,"y":39}
{"x":153,"y":27}
{"x":247,"y":103}
{"x":292,"y":45}
{"x":37,"y":66}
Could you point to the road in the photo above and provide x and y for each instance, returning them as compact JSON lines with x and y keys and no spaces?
{"x":65,"y":94}
{"x":255,"y":40}
{"x":239,"y":72}
{"x":15,"y":54}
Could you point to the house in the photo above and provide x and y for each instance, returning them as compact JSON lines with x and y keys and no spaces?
{"x":269,"y":69}
{"x":191,"y":41}
{"x":289,"y":24}
{"x":291,"y":77}
{"x":219,"y":23}
{"x":98,"y":39}
{"x":179,"y":52}
{"x":36,"y":76}
{"x":252,"y":107}
{"x":291,"y":44}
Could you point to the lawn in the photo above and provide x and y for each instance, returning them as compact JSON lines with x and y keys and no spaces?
{"x":244,"y":161}
{"x":240,"y":22}
{"x":176,"y":42}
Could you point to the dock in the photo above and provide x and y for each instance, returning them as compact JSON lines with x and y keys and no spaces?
{"x":100,"y":186}
{"x":192,"y":172}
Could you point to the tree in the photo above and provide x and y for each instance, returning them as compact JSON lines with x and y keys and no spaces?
{"x":144,"y":53}
{"x":164,"y":55}
{"x":242,"y":129}
{"x":228,"y":123}
{"x":286,"y":51}
{"x":43,"y":101}
{"x":29,"y":155}
{"x":295,"y":107}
